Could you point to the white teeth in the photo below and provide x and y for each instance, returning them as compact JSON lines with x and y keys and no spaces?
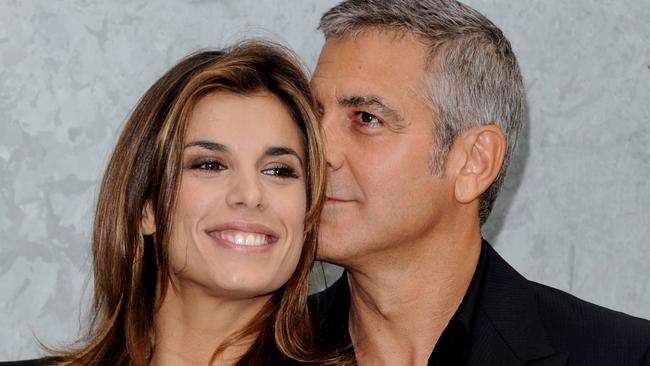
{"x":243,"y":238}
{"x":261,"y":240}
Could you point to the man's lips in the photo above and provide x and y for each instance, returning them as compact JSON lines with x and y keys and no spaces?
{"x":242,"y":234}
{"x":334,"y":200}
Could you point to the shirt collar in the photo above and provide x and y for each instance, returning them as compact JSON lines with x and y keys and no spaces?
{"x":453,"y":345}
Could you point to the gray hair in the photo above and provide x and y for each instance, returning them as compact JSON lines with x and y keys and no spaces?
{"x":473,"y":78}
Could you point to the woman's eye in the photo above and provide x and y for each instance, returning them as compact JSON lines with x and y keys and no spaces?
{"x":368,"y":119}
{"x":281,"y":171}
{"x":209,"y":165}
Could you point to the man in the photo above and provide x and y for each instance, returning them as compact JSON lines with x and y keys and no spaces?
{"x":421,"y":104}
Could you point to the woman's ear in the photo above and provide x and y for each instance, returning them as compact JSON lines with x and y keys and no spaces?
{"x":148,"y":223}
{"x":484,"y":150}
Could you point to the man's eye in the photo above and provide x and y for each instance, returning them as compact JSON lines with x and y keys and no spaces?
{"x":281,"y":171}
{"x":366,"y":118}
{"x":210,"y":165}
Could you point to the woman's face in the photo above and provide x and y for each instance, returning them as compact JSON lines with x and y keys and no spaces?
{"x":237,"y":230}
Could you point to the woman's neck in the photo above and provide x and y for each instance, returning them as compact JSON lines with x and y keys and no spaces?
{"x":191,"y":324}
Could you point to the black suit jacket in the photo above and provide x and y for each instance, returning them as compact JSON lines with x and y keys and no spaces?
{"x":519,"y":322}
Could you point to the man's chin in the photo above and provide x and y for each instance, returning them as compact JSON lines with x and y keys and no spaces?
{"x":329,"y":254}
{"x":336,"y":254}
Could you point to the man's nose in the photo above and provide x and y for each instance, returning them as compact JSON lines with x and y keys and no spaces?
{"x":246,"y":191}
{"x":333,"y":142}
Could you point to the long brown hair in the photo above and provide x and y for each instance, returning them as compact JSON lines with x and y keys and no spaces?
{"x":131,"y":271}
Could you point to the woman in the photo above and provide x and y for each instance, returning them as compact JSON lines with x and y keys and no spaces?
{"x":206,"y":221}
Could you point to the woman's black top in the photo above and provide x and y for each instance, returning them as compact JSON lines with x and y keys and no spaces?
{"x":39,"y":362}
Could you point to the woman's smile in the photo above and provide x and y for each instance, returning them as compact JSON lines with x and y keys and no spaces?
{"x":244,"y":236}
{"x":240,"y":238}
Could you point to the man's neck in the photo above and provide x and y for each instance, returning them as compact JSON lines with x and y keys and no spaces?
{"x":405,"y":306}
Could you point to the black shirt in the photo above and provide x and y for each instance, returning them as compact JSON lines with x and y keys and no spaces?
{"x":329,"y":310}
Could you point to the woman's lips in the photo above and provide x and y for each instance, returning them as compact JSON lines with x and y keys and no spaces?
{"x":243,"y":236}
{"x":237,"y":237}
{"x":336,"y":200}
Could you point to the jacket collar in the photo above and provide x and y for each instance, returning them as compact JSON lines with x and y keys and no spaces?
{"x":508,"y":326}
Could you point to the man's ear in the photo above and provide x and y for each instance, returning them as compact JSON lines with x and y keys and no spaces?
{"x":148,"y":223}
{"x":479,"y":155}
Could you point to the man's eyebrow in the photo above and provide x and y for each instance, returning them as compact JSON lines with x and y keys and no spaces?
{"x":210,"y":145}
{"x":282,"y":150}
{"x":373,"y":101}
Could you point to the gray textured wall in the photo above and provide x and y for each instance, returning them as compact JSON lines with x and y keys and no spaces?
{"x":575,"y":213}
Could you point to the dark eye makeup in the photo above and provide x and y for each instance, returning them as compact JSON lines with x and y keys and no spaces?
{"x":277,"y":170}
{"x":207,"y":164}
{"x":281,"y":171}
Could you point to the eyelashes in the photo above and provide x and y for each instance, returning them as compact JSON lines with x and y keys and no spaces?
{"x":367,"y":120}
{"x":281,"y":171}
{"x":207,"y":165}
{"x":277,"y":170}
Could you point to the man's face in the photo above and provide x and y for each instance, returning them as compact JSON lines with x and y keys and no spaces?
{"x":382,"y":197}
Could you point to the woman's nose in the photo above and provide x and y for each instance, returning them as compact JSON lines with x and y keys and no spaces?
{"x":246,"y":191}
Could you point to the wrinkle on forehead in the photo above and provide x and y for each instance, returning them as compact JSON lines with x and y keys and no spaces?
{"x":364,"y":65}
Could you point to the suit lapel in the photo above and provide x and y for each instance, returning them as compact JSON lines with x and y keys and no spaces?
{"x":559,"y":359}
{"x":508,"y":329}
{"x":487,"y":345}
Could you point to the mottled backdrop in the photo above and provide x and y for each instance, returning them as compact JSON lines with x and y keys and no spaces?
{"x":575,"y":212}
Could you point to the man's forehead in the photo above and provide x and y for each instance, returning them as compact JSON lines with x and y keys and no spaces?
{"x":348,"y":89}
{"x":369,"y":63}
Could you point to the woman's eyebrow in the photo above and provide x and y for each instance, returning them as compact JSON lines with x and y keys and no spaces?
{"x":271,"y":151}
{"x":282,"y":150}
{"x":210,"y":145}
